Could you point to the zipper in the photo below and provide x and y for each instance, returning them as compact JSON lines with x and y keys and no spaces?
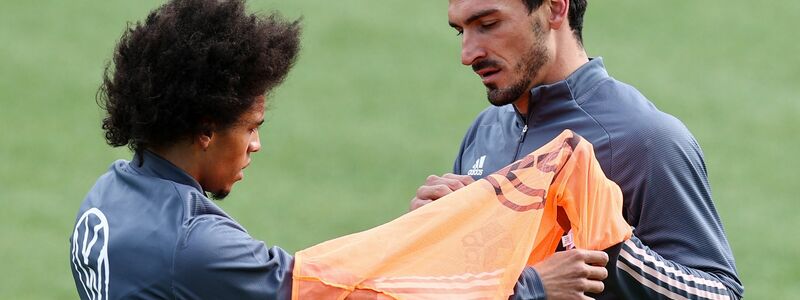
{"x":519,"y":143}
{"x":523,"y":134}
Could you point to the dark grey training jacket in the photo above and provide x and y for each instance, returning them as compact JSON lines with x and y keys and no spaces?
{"x":679,"y":249}
{"x":147,"y":231}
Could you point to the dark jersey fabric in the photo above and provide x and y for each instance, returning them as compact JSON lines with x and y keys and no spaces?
{"x":679,"y":247}
{"x":147,"y":231}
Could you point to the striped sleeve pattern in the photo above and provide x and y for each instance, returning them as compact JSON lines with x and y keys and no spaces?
{"x":643,"y":274}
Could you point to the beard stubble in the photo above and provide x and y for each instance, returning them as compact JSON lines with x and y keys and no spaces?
{"x":528,"y":68}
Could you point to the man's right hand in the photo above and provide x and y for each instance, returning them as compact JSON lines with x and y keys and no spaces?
{"x":436,"y":187}
{"x":569,"y":274}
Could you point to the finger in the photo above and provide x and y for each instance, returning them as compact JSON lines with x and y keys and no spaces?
{"x":464,"y":179}
{"x":595,"y":258}
{"x":593,"y":286}
{"x":431,"y":179}
{"x":453,"y":184}
{"x":597,"y":273}
{"x":417,"y":203}
{"x":433,"y":192}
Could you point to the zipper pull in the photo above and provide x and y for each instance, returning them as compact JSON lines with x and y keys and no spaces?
{"x":522,"y":135}
{"x":519,"y":144}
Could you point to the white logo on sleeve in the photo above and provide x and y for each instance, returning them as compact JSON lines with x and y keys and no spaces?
{"x":477,"y":168}
{"x":90,"y":253}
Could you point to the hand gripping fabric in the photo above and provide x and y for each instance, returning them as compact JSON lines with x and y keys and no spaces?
{"x":474,"y":243}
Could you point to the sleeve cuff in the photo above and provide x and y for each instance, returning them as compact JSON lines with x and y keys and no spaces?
{"x":529,"y":286}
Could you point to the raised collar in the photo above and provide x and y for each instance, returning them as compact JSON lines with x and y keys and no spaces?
{"x":586,"y":78}
{"x":150,"y":164}
{"x":545,"y":98}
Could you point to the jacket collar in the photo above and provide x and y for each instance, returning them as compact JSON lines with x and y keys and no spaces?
{"x":545,"y":99}
{"x":150,"y":164}
{"x":585,"y":79}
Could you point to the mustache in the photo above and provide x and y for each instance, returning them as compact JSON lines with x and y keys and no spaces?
{"x":485,"y":63}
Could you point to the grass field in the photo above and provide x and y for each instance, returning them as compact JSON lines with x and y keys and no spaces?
{"x":378,"y":100}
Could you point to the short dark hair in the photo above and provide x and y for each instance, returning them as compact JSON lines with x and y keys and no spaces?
{"x":192,"y":66}
{"x":576,"y":10}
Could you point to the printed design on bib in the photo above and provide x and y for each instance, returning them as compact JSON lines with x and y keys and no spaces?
{"x":543,"y":163}
{"x":90,"y":253}
{"x":477,"y":168}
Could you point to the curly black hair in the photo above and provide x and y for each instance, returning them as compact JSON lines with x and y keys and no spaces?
{"x":192,"y":66}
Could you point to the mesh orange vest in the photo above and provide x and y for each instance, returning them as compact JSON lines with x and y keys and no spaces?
{"x":474,"y":243}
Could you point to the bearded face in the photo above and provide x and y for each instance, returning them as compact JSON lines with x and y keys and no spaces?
{"x":521,"y":75}
{"x":504,"y":43}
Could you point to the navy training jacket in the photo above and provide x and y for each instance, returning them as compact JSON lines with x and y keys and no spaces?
{"x":146,"y":230}
{"x":679,"y":249}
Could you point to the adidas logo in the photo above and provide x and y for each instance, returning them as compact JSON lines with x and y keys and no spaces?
{"x":477,"y":168}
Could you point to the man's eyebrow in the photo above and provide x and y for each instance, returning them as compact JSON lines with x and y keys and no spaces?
{"x":477,"y":15}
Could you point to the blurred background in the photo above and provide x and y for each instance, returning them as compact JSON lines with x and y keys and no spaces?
{"x":378,"y":100}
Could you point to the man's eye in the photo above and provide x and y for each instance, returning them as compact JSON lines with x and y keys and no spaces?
{"x":488,"y":25}
{"x":460,"y":33}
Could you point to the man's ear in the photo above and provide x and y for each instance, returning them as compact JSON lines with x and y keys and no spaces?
{"x":205,"y":137}
{"x":204,"y":140}
{"x":558,"y":13}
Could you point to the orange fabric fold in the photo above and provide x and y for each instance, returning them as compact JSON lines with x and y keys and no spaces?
{"x":474,"y":243}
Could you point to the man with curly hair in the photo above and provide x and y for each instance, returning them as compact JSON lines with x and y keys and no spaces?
{"x":186,"y":93}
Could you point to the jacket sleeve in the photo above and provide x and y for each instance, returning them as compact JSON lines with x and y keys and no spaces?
{"x":679,"y":249}
{"x":529,"y":286}
{"x":641,"y":273}
{"x":217,"y":259}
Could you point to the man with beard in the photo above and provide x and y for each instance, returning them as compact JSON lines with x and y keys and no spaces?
{"x":529,"y":54}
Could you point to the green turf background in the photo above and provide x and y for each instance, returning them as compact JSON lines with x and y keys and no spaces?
{"x":378,"y":100}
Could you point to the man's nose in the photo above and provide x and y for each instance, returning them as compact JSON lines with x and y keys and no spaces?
{"x":471,"y":50}
{"x":255,"y":143}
